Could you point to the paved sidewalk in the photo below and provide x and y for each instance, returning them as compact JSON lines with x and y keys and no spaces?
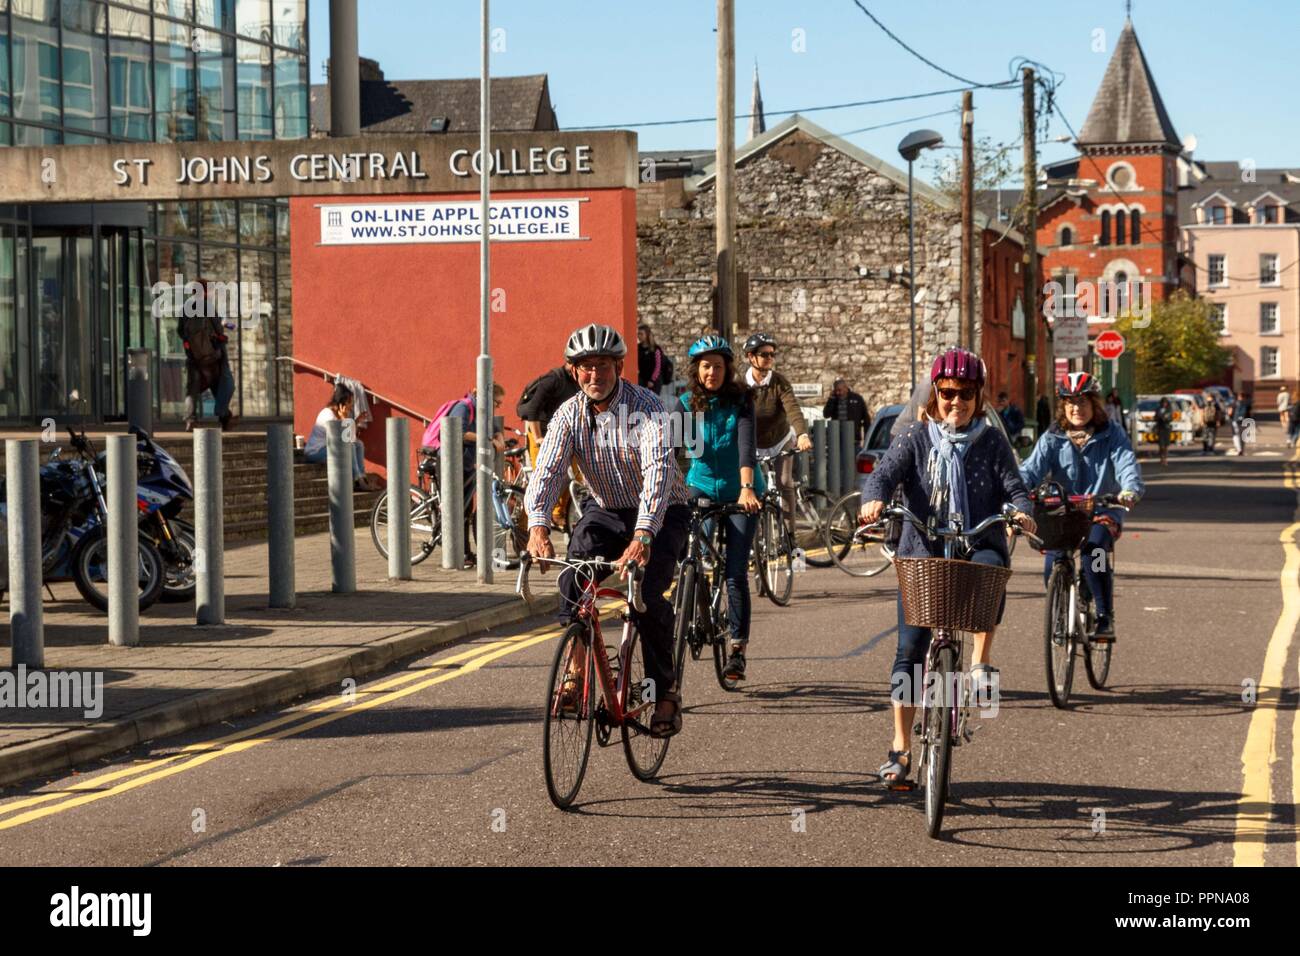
{"x":183,"y":676}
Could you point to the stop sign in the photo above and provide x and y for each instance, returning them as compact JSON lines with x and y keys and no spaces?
{"x":1109,"y":345}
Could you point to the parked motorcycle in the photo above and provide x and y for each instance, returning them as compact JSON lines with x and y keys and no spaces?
{"x":74,"y":528}
{"x":162,"y":490}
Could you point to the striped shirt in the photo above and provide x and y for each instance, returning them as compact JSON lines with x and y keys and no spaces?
{"x":624,"y":467}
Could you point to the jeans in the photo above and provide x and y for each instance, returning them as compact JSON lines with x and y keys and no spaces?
{"x":738,"y":537}
{"x":1236,"y":437}
{"x":913,"y":642}
{"x":320,"y":456}
{"x":1097,"y":555}
{"x":606,"y":533}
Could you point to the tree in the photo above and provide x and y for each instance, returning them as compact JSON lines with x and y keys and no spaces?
{"x":995,"y":165}
{"x":1177,"y":348}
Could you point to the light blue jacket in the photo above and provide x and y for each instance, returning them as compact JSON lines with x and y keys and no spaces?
{"x":716,"y":473}
{"x":1106,"y":465}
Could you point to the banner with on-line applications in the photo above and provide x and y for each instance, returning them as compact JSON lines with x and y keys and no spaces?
{"x":510,"y":220}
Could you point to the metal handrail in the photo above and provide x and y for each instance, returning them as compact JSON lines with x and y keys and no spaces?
{"x":328,"y":375}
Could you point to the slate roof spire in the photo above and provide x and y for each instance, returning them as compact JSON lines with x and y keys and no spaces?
{"x":1128,"y":108}
{"x":757,"y":123}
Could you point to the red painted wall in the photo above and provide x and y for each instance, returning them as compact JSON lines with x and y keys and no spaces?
{"x":1004,"y":355}
{"x":404,"y":319}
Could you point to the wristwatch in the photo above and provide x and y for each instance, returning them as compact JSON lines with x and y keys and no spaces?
{"x":645,"y":537}
{"x":748,"y":484}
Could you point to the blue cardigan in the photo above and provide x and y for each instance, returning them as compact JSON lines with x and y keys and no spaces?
{"x":992,"y":479}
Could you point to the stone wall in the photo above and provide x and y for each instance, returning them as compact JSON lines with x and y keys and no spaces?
{"x":807,"y":217}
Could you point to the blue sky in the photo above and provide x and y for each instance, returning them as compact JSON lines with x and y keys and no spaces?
{"x":628,"y":61}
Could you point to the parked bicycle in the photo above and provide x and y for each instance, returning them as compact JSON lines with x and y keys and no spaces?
{"x":855,"y":548}
{"x":1070,"y":618}
{"x":954,"y":597}
{"x":700,"y":602}
{"x":594,"y":689}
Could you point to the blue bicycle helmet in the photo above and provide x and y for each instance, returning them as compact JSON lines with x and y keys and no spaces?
{"x":711,"y":343}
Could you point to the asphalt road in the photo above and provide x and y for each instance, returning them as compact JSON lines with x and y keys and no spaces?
{"x":439,"y":760}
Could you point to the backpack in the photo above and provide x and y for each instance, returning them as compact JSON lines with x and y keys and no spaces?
{"x":433,"y":433}
{"x":198,"y":334}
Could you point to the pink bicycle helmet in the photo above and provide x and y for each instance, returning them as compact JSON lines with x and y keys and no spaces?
{"x":959,"y":364}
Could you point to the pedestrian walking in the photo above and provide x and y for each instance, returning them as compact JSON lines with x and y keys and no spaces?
{"x":847,"y":405}
{"x":1164,"y":428}
{"x":654,"y":368}
{"x":1211,"y":433}
{"x":1293,"y":420}
{"x":207,"y":364}
{"x":1043,"y":414}
{"x":1013,"y":419}
{"x":1238,"y":415}
{"x":1283,"y":407}
{"x":1115,"y":408}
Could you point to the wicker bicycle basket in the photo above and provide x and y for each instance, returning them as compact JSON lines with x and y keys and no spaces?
{"x":939,"y":592}
{"x":1063,"y":528}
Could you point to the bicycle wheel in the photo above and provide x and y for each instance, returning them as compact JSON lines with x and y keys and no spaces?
{"x":1096,"y":657}
{"x":937,"y":730}
{"x":566,"y":737}
{"x":813,"y":509}
{"x":425,"y":528}
{"x":1058,"y":642}
{"x":683,"y":612}
{"x":862,"y":558}
{"x":645,"y":754}
{"x":778,"y":558}
{"x":758,"y":557}
{"x":719,"y":629}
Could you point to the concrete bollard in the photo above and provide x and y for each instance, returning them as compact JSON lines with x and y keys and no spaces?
{"x":123,"y":543}
{"x":451,"y":468}
{"x":209,"y":532}
{"x":834,"y":470}
{"x":848,"y":457}
{"x":139,"y":392}
{"x":279,"y":516}
{"x":340,"y":438}
{"x":399,"y":511}
{"x":26,"y":613}
{"x":819,"y":456}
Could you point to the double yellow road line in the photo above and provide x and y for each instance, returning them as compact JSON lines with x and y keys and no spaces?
{"x":298,"y":721}
{"x":1261,"y":752}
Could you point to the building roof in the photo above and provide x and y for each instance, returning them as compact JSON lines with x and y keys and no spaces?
{"x":1127,"y":108}
{"x":1280,"y":183}
{"x":419,"y":106}
{"x":786,"y":127}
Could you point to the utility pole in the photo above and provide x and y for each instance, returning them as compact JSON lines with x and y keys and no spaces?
{"x":967,"y":221}
{"x":1030,"y":199}
{"x":484,"y":456}
{"x":724,"y":219}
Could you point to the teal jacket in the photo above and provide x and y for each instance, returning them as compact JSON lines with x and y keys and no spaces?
{"x":725,"y":435}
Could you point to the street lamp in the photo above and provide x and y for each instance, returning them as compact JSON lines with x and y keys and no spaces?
{"x":910,"y":148}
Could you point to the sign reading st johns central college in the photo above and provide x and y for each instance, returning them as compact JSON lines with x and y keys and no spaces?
{"x":368,"y":165}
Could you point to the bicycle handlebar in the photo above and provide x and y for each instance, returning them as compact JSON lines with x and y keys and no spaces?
{"x":593,"y":565}
{"x":966,"y":536}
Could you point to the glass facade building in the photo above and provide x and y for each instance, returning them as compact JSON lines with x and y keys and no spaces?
{"x":77,"y":281}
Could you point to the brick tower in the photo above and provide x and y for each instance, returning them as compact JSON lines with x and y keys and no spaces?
{"x":1111,"y":213}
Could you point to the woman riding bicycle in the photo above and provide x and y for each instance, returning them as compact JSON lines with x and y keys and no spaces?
{"x":1088,"y":454}
{"x":949,"y":462}
{"x":726,"y":472}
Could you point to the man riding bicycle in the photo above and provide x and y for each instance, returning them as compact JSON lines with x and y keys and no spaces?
{"x":637,"y":511}
{"x":1088,"y":454}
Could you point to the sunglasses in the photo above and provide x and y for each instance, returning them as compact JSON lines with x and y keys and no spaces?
{"x":952,"y":394}
{"x":771,"y":354}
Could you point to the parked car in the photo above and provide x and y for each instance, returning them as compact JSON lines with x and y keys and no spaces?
{"x":1224,"y":396}
{"x":1183,"y":427}
{"x":882,"y":431}
{"x":1201,"y":411}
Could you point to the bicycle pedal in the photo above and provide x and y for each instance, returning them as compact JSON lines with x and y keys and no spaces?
{"x":900,"y":786}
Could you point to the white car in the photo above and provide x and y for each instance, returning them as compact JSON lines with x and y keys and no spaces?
{"x":1183,"y":428}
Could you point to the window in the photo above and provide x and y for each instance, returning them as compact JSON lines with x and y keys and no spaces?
{"x":1135,"y":226}
{"x":253,"y":73}
{"x":1067,"y":236}
{"x":1216,"y":270}
{"x":1120,"y":222}
{"x":1105,"y":227}
{"x":1070,"y":294}
{"x":1268,"y":269}
{"x":1268,"y":367}
{"x":85,"y":104}
{"x":130,"y":92}
{"x":1269,"y":213}
{"x":216,"y":92}
{"x":1121,"y":291}
{"x":1219,"y":316}
{"x":5,"y":101}
{"x":290,"y":95}
{"x":173,"y":83}
{"x":1268,"y":319}
{"x":36,"y":73}
{"x":1217,"y":215}
{"x":253,"y":19}
{"x":291,"y":24}
{"x":1121,"y":176}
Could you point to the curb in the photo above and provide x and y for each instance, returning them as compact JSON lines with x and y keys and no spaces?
{"x":212,"y":706}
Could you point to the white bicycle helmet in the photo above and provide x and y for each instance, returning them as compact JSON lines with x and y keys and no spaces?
{"x":594,"y":340}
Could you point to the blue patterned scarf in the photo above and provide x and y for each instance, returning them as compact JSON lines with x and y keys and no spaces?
{"x":946,"y":471}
